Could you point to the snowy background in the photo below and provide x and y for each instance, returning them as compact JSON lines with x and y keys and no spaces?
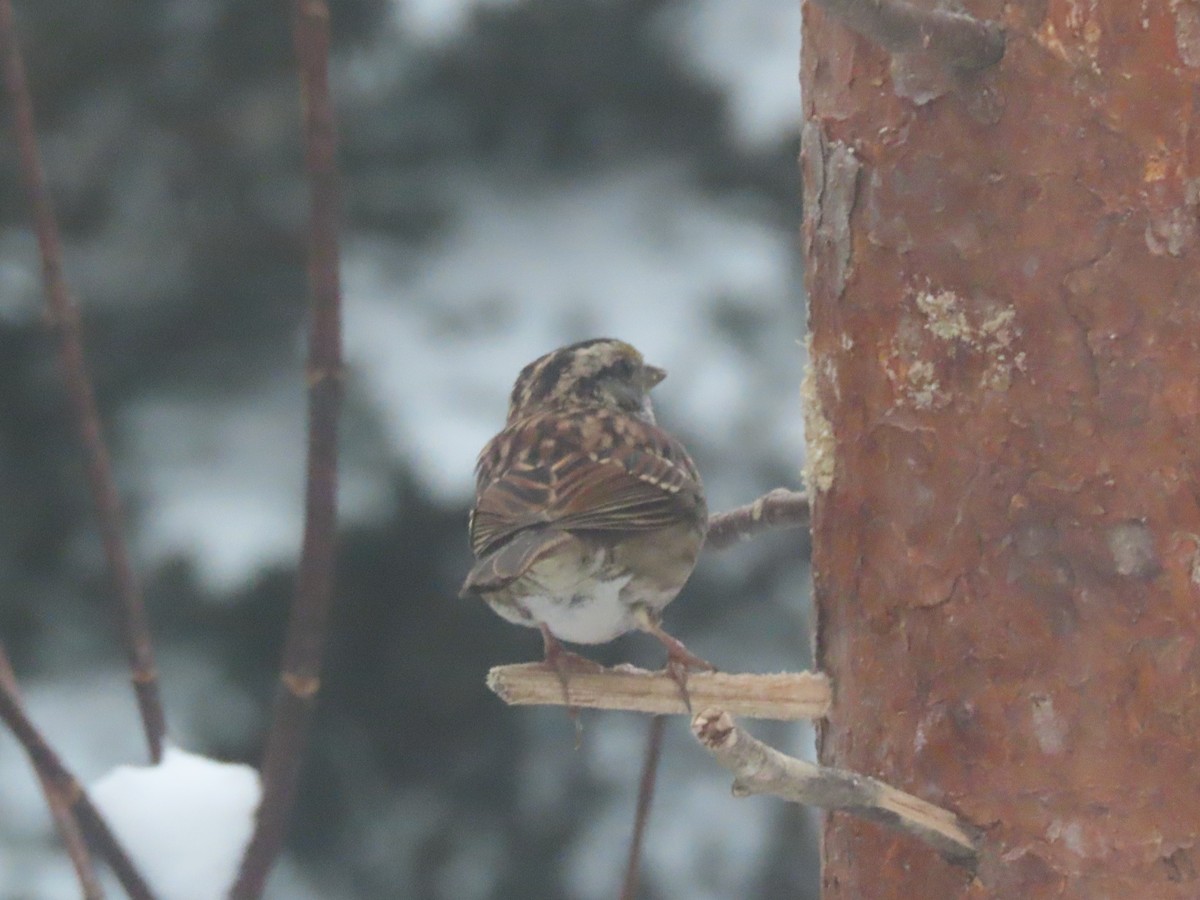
{"x":518,"y":175}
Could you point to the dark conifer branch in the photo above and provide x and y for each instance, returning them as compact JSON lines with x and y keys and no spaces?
{"x":300,"y":678}
{"x":63,"y":317}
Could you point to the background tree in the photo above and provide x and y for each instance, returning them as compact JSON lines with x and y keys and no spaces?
{"x":1004,"y":401}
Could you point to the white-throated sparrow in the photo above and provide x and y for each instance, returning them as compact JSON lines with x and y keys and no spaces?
{"x":588,"y":517}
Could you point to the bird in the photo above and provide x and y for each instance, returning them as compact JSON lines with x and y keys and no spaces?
{"x":588,"y":517}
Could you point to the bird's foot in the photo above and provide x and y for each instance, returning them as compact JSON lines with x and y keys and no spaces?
{"x":680,"y":660}
{"x":564,"y":663}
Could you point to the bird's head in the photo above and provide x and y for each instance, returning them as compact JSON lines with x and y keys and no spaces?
{"x":600,"y":372}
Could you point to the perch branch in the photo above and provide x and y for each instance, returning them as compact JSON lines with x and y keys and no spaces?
{"x":63,"y":318}
{"x":779,"y":508}
{"x":70,"y":793}
{"x":957,"y":40}
{"x":64,"y":819}
{"x":759,"y":769}
{"x":300,"y":679}
{"x":787,"y":696}
{"x":645,"y":800}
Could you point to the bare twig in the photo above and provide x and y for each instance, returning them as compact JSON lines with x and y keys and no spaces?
{"x":69,"y":792}
{"x":63,"y":317}
{"x":300,"y":679}
{"x":645,"y":800}
{"x":64,"y":819}
{"x":787,"y":696}
{"x":779,"y":508}
{"x":759,"y":769}
{"x":959,"y":41}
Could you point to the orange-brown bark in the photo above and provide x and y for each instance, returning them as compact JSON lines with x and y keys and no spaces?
{"x":1004,"y":280}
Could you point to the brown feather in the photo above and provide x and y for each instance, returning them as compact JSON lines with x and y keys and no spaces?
{"x":510,"y":561}
{"x":599,"y":471}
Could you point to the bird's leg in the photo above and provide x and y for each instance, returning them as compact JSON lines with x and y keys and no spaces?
{"x":679,"y":658}
{"x":563,"y":662}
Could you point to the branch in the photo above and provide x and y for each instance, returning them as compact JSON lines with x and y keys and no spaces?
{"x":787,"y":696}
{"x":957,"y":40}
{"x":300,"y":679}
{"x":69,"y":792}
{"x":63,"y":318}
{"x":645,"y":799}
{"x":64,"y":819}
{"x":779,"y":508}
{"x":759,"y":769}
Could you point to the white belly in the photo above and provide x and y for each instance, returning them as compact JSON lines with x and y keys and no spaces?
{"x":592,"y":614}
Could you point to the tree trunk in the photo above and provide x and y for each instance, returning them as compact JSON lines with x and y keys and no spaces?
{"x":1002,"y":408}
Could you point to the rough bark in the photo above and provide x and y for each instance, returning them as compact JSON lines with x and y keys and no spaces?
{"x":1003,"y":409}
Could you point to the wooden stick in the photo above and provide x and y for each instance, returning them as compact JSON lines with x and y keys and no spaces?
{"x":959,"y":41}
{"x":63,"y":317}
{"x":759,"y":769}
{"x":787,"y":696}
{"x":300,"y":678}
{"x":780,"y":508}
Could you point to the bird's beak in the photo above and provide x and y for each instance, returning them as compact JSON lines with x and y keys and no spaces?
{"x":653,"y":375}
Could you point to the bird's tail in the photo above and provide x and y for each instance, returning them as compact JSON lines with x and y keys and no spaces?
{"x":502,"y":566}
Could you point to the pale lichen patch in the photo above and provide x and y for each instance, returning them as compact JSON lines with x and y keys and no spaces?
{"x":1187,"y":31}
{"x":1049,"y":727}
{"x":818,"y":436}
{"x":982,"y":329}
{"x":923,"y":387}
{"x":1133,"y":552}
{"x":944,"y":315}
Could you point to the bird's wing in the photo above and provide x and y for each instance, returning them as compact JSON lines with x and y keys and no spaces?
{"x":512,"y":559}
{"x":605,"y":472}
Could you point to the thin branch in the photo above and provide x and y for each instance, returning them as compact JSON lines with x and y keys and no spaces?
{"x":69,"y":792}
{"x":300,"y":679}
{"x":645,"y":800}
{"x":63,"y":317}
{"x":759,"y":769}
{"x":64,"y":819}
{"x":779,"y":508}
{"x":787,"y":696}
{"x":957,"y":40}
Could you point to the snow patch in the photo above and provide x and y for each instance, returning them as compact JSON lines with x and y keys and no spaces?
{"x":185,"y":822}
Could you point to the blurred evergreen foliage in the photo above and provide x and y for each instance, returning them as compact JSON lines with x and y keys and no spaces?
{"x":169,"y":131}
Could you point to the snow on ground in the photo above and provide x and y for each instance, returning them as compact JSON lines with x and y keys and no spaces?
{"x":185,"y":823}
{"x":92,"y":724}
